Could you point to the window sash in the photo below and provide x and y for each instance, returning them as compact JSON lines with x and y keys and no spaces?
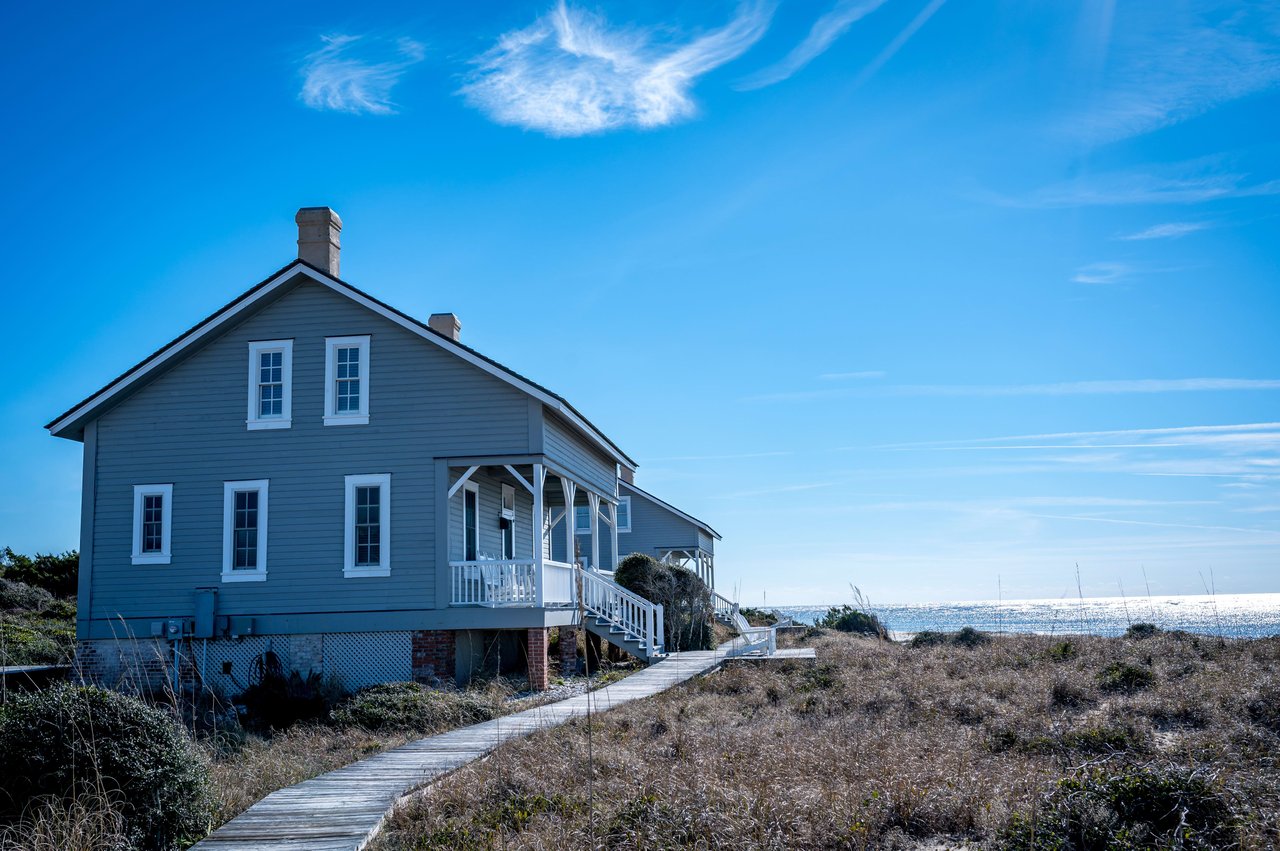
{"x":152,"y":523}
{"x":368,"y":526}
{"x":582,"y":519}
{"x":623,"y":514}
{"x":244,"y":530}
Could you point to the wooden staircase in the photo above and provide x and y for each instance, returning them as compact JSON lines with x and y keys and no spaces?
{"x":621,"y":617}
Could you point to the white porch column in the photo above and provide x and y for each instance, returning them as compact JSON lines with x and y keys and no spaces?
{"x":540,"y":539}
{"x":593,"y":501}
{"x":570,"y":518}
{"x":613,"y":532}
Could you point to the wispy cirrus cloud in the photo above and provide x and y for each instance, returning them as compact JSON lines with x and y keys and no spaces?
{"x":1194,"y":182}
{"x":1102,"y":273}
{"x":572,"y":73}
{"x":852,"y":376}
{"x":1061,"y":388}
{"x":356,"y":74}
{"x":829,"y":27}
{"x":1169,"y":64}
{"x":1169,"y":230}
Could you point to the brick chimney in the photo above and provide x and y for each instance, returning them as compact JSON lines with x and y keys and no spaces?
{"x":318,"y":229}
{"x":446,"y":324}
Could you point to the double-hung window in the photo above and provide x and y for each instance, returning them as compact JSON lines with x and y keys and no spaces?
{"x":244,"y":531}
{"x":582,"y":519}
{"x":270,"y":384}
{"x":367,"y":536}
{"x":622,"y":514}
{"x":152,"y":523}
{"x":346,"y":380}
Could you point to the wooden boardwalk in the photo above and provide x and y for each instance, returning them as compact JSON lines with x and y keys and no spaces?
{"x":344,"y":809}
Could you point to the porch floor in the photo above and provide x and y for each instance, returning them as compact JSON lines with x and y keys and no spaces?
{"x":344,"y":809}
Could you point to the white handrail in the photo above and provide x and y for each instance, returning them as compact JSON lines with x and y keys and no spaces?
{"x":510,"y":582}
{"x":635,"y":615}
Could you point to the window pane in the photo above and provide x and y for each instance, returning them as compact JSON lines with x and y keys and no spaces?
{"x":368,"y":527}
{"x":624,"y":515}
{"x":582,"y":519}
{"x":153,"y":523}
{"x":244,"y":519}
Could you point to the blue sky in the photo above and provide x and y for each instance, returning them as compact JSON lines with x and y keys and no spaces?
{"x":934,"y":298}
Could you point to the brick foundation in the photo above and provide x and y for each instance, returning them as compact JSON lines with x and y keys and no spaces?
{"x":434,"y":655}
{"x":568,"y":651}
{"x":538,"y":663}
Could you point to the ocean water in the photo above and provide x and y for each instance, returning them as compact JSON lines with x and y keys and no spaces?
{"x":1230,"y":615}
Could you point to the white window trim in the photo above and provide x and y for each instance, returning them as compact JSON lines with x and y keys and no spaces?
{"x":166,"y":552}
{"x":229,"y":572}
{"x":285,"y":420}
{"x":584,"y":529}
{"x":383,"y":567}
{"x":621,"y":500}
{"x":331,"y":345}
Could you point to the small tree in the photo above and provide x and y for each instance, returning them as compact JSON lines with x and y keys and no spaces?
{"x":685,"y":599}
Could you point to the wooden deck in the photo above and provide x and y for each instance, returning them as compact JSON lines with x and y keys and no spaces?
{"x":345,"y":808}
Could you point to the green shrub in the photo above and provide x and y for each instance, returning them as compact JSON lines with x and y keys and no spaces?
{"x":276,"y":700}
{"x":964,"y":637}
{"x":1123,"y":677}
{"x":1068,"y":694}
{"x":1139,"y":809}
{"x":686,"y":600}
{"x":72,"y":743}
{"x":57,"y":574}
{"x":846,"y":618}
{"x":411,"y":706}
{"x":1063,"y":651}
{"x":1142,"y":630}
{"x":758,"y":617}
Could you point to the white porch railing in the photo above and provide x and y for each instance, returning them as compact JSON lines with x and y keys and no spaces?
{"x":727,"y":612}
{"x":636,"y":616}
{"x":511,"y":582}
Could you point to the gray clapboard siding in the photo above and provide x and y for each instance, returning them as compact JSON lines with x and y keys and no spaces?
{"x":567,"y":448}
{"x":187,"y":427}
{"x":654,"y":526}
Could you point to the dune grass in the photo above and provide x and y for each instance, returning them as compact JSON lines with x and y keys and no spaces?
{"x":1012,"y":742}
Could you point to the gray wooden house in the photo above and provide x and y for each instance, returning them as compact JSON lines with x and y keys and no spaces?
{"x":312,"y":472}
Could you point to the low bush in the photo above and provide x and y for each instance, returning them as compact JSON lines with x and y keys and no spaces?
{"x":686,"y":600}
{"x":73,"y":744}
{"x":1068,"y":694}
{"x":276,"y":700}
{"x":848,"y":619}
{"x":411,"y":706}
{"x":758,"y":617}
{"x":1123,"y":677}
{"x":1137,"y":809}
{"x":57,"y":574}
{"x":1142,"y":630}
{"x":964,"y":637}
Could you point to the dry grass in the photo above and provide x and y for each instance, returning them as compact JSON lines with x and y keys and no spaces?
{"x":879,"y":745}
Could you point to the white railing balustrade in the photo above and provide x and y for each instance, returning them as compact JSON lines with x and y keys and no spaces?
{"x":511,"y":582}
{"x":635,"y":615}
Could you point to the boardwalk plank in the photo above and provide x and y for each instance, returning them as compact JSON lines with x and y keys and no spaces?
{"x":345,"y":808}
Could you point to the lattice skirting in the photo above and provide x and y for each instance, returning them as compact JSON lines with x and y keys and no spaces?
{"x":226,"y":665}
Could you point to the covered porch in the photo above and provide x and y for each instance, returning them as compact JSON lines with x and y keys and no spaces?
{"x":701,"y":562}
{"x":517,"y":529}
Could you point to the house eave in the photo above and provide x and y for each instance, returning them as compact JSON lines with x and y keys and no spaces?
{"x":70,"y":425}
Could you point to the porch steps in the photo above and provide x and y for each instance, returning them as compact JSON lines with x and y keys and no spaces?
{"x":613,"y":633}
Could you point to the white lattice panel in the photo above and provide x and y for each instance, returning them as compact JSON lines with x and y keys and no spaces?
{"x":241,"y":653}
{"x":359,"y":659}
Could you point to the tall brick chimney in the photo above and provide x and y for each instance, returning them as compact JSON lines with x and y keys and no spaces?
{"x":318,"y":229}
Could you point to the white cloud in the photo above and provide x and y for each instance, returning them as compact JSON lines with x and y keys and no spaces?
{"x":1170,"y":230}
{"x":1167,"y":64}
{"x":1101,"y":273}
{"x":846,"y":376}
{"x":1195,"y":182}
{"x":1061,"y":388}
{"x":571,"y":73}
{"x":829,"y":27}
{"x":354,"y":74}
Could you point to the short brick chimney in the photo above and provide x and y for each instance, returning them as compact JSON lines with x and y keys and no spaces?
{"x":446,"y":324}
{"x":318,"y":229}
